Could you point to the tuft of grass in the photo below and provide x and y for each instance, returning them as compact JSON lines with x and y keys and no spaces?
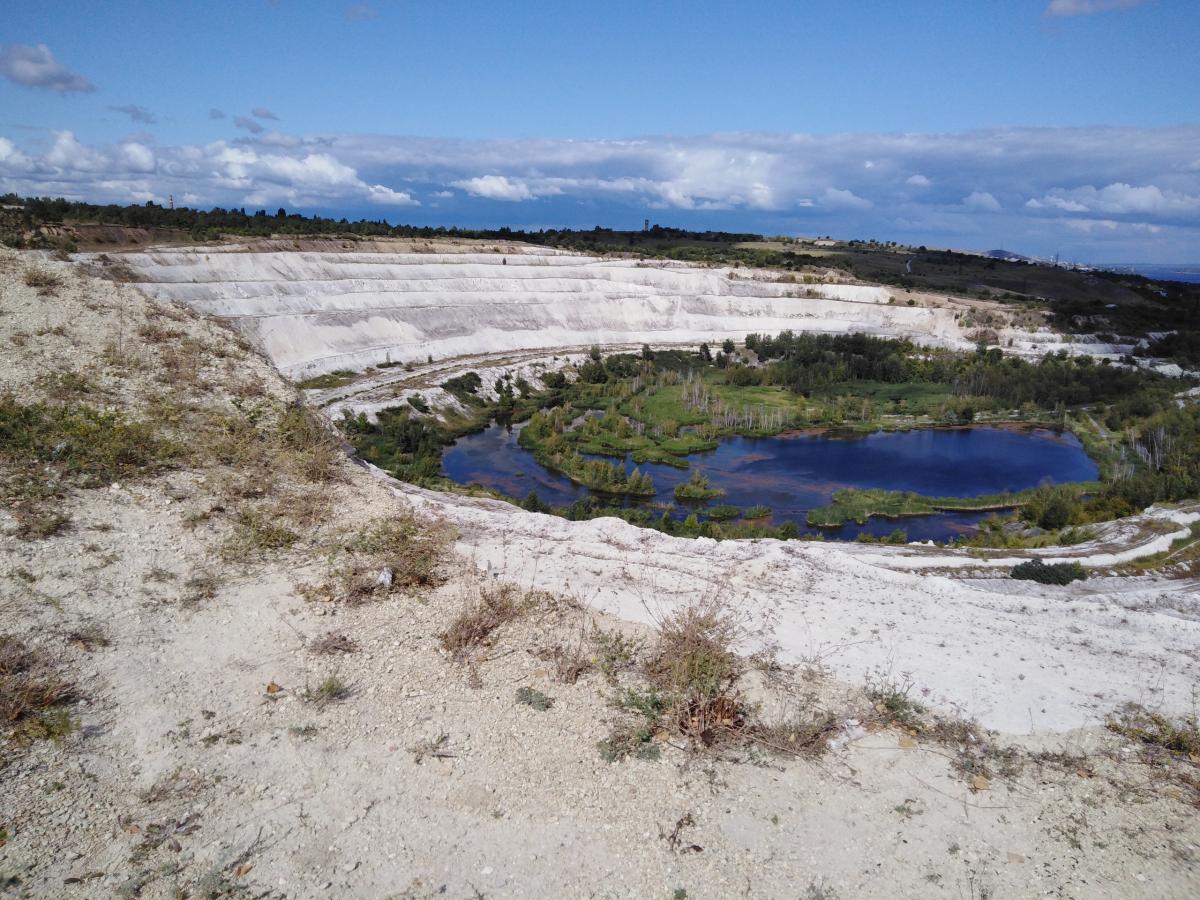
{"x":200,"y":587}
{"x":531,"y":697}
{"x":89,"y":636}
{"x":387,"y":555}
{"x":695,"y":665}
{"x":333,"y":642}
{"x":308,"y":447}
{"x":328,"y":691}
{"x":36,"y":524}
{"x":570,"y":662}
{"x":339,"y":378}
{"x":47,"y":283}
{"x":1180,"y":736}
{"x":65,"y":386}
{"x":891,"y":699}
{"x":614,"y":652}
{"x":256,"y":535}
{"x":496,"y":605}
{"x":32,"y":693}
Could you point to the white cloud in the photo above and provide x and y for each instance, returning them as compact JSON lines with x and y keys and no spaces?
{"x":496,"y":187}
{"x":37,"y":67}
{"x":981,"y":200}
{"x":1066,"y":8}
{"x":361,"y":12}
{"x":11,"y":158}
{"x":836,"y":198}
{"x":137,"y":157}
{"x":68,"y":153}
{"x":215,"y":113}
{"x":1120,"y":198}
{"x":261,"y":112}
{"x":924,"y":187}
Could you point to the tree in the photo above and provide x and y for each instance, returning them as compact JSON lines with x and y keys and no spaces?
{"x":727,"y":346}
{"x":647,"y":353}
{"x":705,"y":353}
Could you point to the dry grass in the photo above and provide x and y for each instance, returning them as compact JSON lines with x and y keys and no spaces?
{"x":308,"y":447}
{"x":332,"y":643}
{"x":32,"y":693}
{"x":694,"y":665}
{"x":89,"y":636}
{"x":35,"y":523}
{"x":495,"y":605}
{"x":47,"y":283}
{"x":1154,"y":730}
{"x":330,"y":690}
{"x":257,"y":533}
{"x":386,"y":556}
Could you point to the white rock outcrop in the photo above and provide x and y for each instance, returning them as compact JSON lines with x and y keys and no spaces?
{"x":315,"y":312}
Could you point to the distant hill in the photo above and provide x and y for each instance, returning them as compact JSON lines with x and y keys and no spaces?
{"x":1007,"y":254}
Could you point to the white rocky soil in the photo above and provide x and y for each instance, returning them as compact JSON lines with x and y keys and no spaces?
{"x":202,"y":769}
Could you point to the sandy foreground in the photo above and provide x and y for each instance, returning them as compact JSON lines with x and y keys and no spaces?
{"x":205,"y":766}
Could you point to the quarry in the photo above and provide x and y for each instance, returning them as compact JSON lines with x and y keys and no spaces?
{"x":270,"y":697}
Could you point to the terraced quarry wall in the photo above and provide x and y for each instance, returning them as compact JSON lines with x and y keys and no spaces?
{"x":315,"y":312}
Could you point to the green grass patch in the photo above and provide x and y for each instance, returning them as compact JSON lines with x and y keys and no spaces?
{"x":859,"y":504}
{"x":339,"y":378}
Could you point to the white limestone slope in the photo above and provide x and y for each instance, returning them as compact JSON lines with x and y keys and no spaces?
{"x":314,"y":312}
{"x":1018,"y":656}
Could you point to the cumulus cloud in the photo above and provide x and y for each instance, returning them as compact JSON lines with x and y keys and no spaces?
{"x":836,"y":198}
{"x":215,"y":113}
{"x":981,"y":200}
{"x":136,"y":113}
{"x":1066,"y":8}
{"x":497,"y":187}
{"x":261,"y":112}
{"x":968,"y":189}
{"x":248,"y":124}
{"x":1120,"y":199}
{"x":35,"y":66}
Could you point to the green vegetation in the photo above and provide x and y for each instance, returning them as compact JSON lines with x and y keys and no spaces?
{"x":1042,"y":573}
{"x":97,"y":447}
{"x":339,"y":378}
{"x":661,"y":406}
{"x":697,"y":488}
{"x":859,"y":504}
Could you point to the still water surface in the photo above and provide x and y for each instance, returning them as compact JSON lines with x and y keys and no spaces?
{"x":792,"y":474}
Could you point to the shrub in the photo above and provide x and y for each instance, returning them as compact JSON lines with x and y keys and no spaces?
{"x":495,"y":606}
{"x":1058,"y":573}
{"x":99,"y":446}
{"x":45,"y":282}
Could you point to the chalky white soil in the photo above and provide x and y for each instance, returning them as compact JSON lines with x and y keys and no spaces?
{"x":191,"y":777}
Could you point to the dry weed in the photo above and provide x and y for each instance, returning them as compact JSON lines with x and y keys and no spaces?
{"x":494,"y":606}
{"x":31,"y":692}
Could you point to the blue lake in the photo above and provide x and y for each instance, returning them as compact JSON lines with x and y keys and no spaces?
{"x":792,"y":474}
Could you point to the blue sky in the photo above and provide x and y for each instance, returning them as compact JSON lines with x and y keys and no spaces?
{"x":1044,"y":126}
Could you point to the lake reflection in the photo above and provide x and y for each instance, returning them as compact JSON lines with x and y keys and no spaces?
{"x":792,"y":474}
